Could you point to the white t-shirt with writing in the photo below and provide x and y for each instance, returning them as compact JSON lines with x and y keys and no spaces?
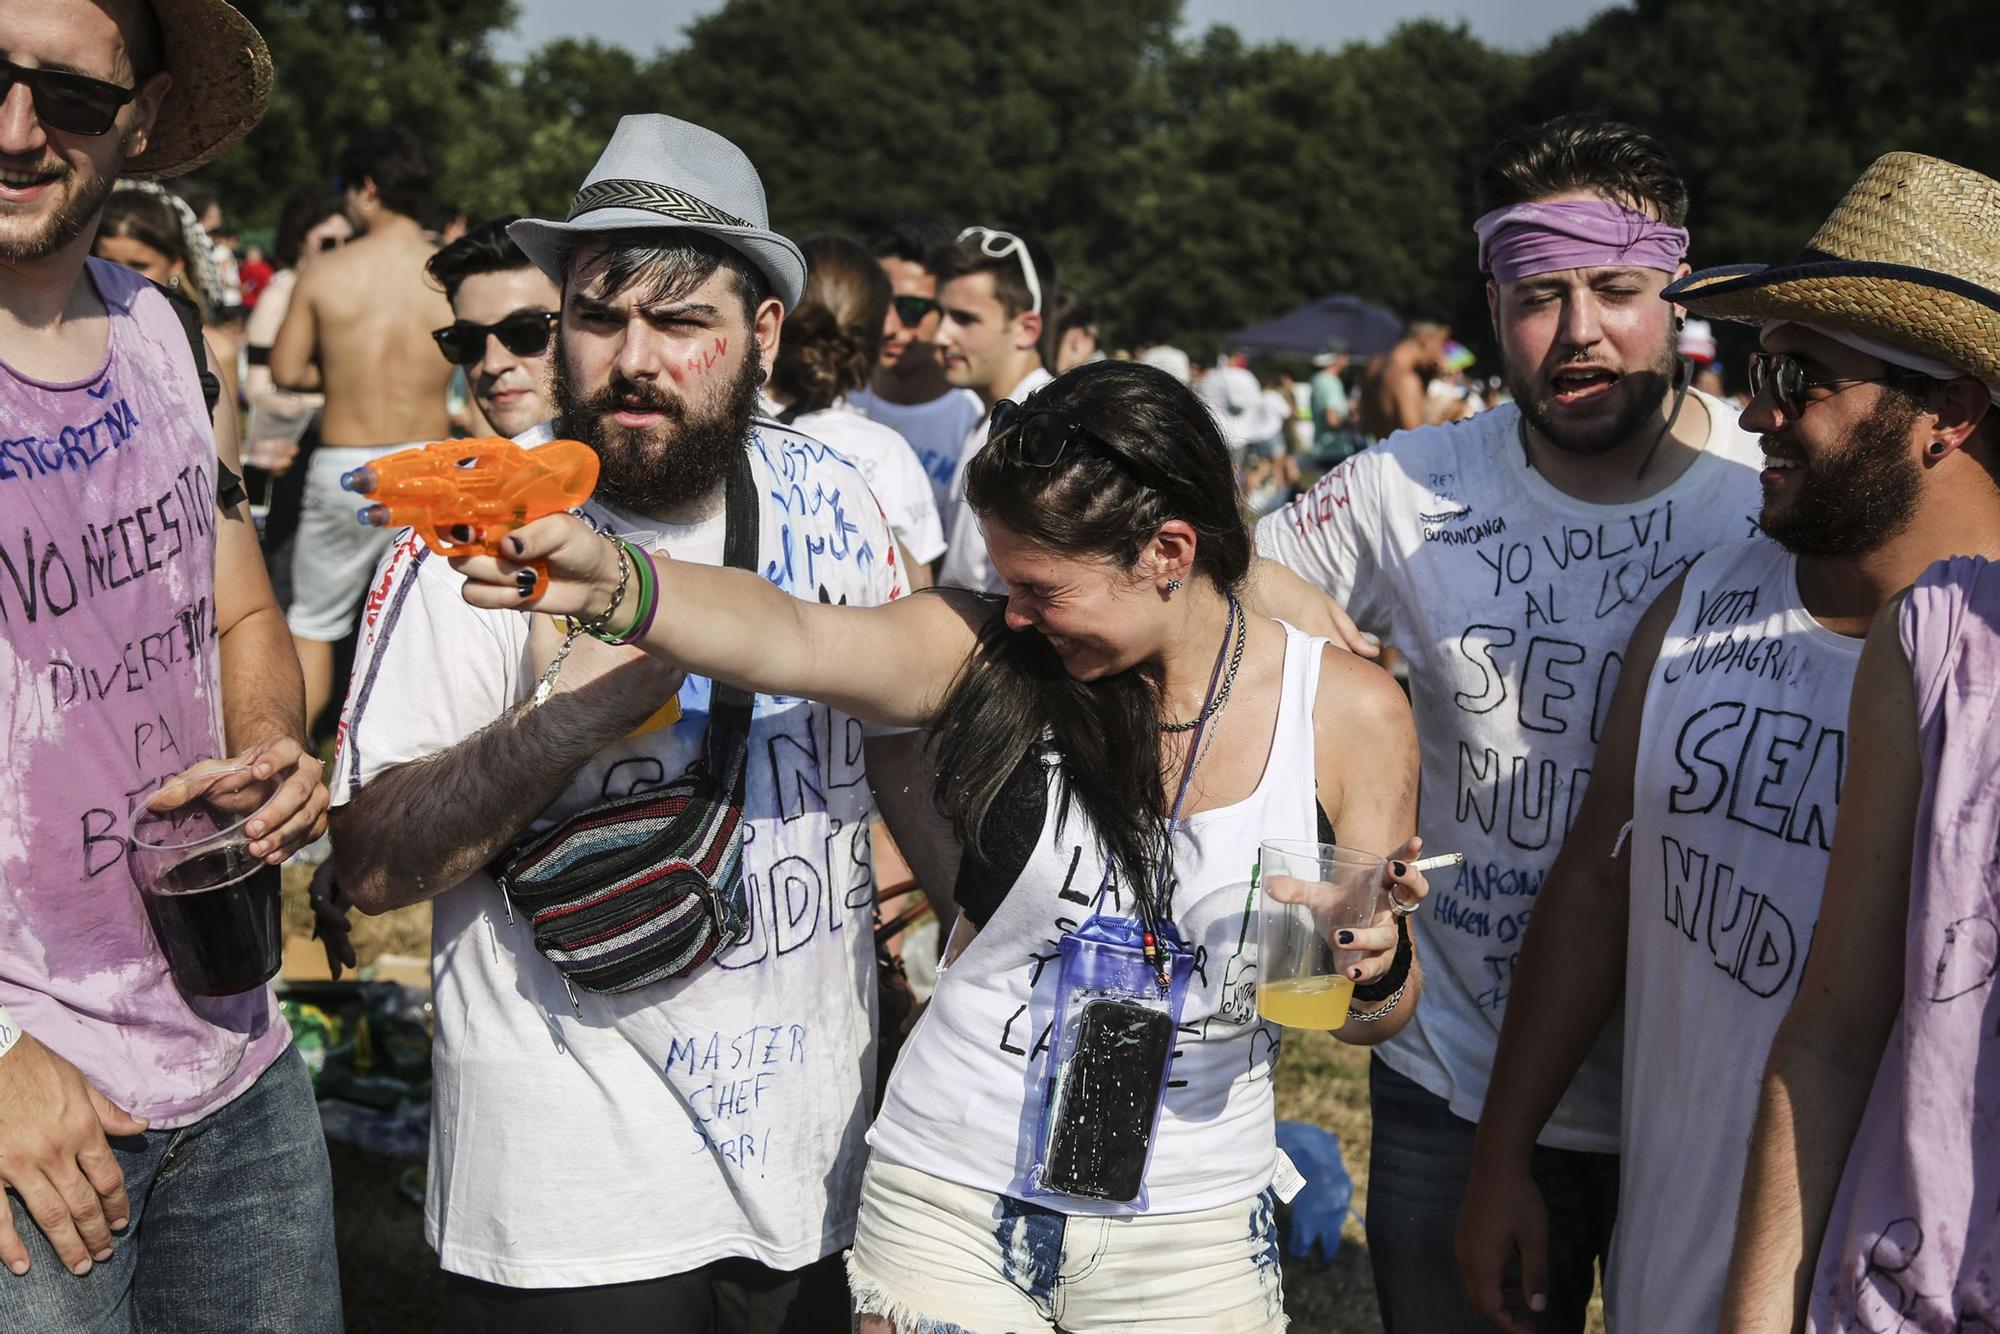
{"x":893,"y":471}
{"x":721,"y":1114}
{"x":936,"y":430}
{"x":1513,"y":602}
{"x":1742,"y":750}
{"x":966,"y":564}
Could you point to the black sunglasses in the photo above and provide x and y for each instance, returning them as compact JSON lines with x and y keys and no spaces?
{"x":1786,"y":379}
{"x":1044,"y":433}
{"x":524,"y":333}
{"x":913,"y":310}
{"x":72,"y":103}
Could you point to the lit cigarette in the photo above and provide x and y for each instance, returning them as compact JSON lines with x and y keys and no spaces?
{"x":1433,"y":863}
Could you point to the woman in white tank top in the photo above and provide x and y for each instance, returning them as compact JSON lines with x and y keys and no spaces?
{"x":1118,"y":737}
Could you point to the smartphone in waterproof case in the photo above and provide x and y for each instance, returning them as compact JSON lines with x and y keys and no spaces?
{"x":1108,"y":1094}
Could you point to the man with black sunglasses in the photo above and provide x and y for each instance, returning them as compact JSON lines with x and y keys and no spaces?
{"x":910,"y":393}
{"x":161,"y":1159}
{"x":506,"y":311}
{"x":359,"y":331}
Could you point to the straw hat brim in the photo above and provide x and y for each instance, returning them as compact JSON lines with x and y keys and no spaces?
{"x":221,"y":83}
{"x":782,"y":263}
{"x":1945,"y":318}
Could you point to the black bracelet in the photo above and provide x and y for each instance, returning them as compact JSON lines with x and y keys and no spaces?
{"x":1399,"y":968}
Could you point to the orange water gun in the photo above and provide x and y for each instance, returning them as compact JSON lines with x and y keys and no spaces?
{"x":465,"y":496}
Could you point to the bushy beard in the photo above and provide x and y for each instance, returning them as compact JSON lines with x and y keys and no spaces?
{"x":1646,"y":386}
{"x":72,"y":218}
{"x":658,"y":471}
{"x":1852,"y":502}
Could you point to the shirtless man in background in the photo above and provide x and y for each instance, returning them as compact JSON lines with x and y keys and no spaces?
{"x":1393,"y":386}
{"x":359,"y":332}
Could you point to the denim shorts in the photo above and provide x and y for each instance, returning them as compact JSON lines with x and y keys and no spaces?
{"x":939,"y":1258}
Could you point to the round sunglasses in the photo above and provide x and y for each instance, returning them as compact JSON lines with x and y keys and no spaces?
{"x":1788,"y":383}
{"x":73,"y":103}
{"x":524,"y":333}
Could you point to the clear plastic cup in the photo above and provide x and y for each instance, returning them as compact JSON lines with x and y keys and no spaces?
{"x":1306,"y":892}
{"x":214,"y":906}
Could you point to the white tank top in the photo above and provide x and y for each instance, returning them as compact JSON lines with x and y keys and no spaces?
{"x":958,"y":1105}
{"x":1742,"y":748}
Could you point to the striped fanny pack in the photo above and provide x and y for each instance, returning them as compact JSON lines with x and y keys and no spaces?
{"x":649,"y":887}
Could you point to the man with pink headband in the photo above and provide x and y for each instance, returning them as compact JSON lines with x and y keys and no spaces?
{"x":1510,"y":556}
{"x":1691,"y":880}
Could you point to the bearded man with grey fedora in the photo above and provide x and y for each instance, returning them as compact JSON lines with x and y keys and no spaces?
{"x":161,"y":1154}
{"x":1692,"y":878}
{"x":679,"y":1149}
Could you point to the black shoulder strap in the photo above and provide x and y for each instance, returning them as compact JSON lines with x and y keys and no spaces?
{"x":190,"y":318}
{"x":730,"y":706}
{"x":229,"y":492}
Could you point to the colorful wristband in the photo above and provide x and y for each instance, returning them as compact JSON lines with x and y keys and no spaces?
{"x":649,"y":597}
{"x":652,"y":577}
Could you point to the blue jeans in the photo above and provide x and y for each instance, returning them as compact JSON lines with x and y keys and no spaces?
{"x":1418,"y":1165}
{"x":232,"y":1229}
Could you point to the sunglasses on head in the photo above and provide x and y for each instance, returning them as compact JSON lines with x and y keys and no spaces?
{"x":1039,"y":436}
{"x":996,"y":244}
{"x":913,"y":310}
{"x":1788,"y":382}
{"x":72,"y":103}
{"x":524,"y":333}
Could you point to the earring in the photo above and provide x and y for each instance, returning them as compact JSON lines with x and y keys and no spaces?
{"x":1173,"y":587}
{"x":1937,"y":449}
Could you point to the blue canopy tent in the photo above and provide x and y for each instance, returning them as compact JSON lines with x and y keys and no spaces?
{"x":1331,"y":324}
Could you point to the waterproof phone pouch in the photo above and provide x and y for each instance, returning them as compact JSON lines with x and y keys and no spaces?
{"x":1106,"y":1077}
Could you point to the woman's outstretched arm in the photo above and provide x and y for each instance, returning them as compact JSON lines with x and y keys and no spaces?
{"x":891,"y":664}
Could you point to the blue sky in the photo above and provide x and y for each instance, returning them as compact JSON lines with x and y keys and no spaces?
{"x":647,"y":24}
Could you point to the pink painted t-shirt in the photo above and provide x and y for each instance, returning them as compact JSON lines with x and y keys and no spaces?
{"x":110,"y":683}
{"x":1913,"y":1242}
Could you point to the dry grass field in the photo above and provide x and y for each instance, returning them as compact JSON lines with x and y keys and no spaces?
{"x":390,"y":1278}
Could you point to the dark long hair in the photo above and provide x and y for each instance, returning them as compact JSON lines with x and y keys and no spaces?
{"x":1014,"y":694}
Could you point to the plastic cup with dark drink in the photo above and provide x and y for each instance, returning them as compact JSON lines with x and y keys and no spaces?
{"x":214,"y":905}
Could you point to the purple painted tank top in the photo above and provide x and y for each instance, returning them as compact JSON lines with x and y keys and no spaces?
{"x":1914,"y":1239}
{"x":110,"y":681}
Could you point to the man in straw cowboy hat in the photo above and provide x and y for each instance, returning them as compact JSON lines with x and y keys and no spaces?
{"x":167,"y":1150}
{"x":1692,"y":877}
{"x":686,"y":1154}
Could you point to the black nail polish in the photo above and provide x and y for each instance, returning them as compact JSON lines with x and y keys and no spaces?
{"x":517,"y":545}
{"x":524,"y":582}
{"x":1344,"y":937}
{"x":461,"y":532}
{"x":1400,"y":869}
{"x":1355,"y":973}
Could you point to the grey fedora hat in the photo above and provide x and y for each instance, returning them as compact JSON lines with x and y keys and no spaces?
{"x":659,"y":172}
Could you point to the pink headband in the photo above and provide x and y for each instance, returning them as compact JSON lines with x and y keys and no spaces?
{"x":1522,"y":240}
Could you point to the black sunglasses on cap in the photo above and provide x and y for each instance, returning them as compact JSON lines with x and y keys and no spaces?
{"x":913,"y":310}
{"x":72,"y":103}
{"x":524,"y":333}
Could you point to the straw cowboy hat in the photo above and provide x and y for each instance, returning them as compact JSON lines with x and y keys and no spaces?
{"x":661,"y":173}
{"x":221,"y":81}
{"x":1911,"y":258}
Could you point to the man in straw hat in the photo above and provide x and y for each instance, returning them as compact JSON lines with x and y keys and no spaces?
{"x":1510,"y":556}
{"x":166,"y":1149}
{"x":688,"y":1154}
{"x":1692,"y":877}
